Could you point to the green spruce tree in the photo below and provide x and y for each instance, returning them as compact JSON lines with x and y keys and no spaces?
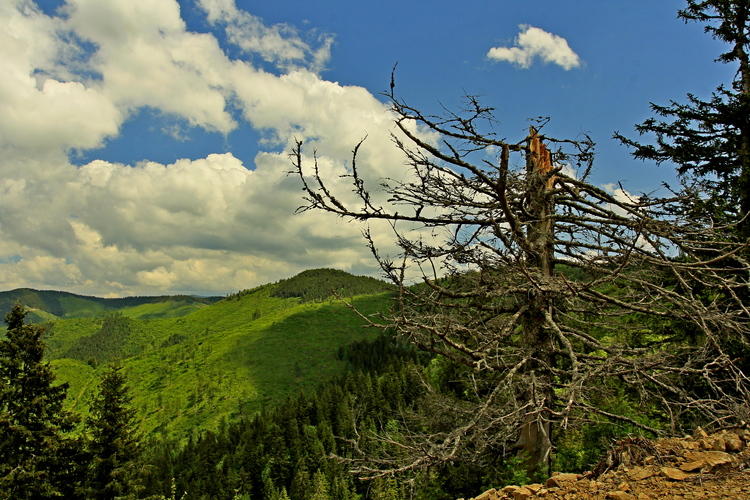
{"x":709,"y":140}
{"x":386,"y":488}
{"x":113,"y":444}
{"x":320,"y":487}
{"x":37,"y":457}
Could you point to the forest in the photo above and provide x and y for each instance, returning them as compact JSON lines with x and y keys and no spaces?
{"x":532,"y":320}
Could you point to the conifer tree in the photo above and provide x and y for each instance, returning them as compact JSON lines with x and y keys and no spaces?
{"x":113,"y":444}
{"x":343,"y":489}
{"x":35,"y":450}
{"x":301,"y":483}
{"x":386,"y":488}
{"x":320,"y":487}
{"x":709,"y":140}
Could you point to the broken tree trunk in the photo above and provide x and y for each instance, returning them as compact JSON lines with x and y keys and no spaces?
{"x":534,"y":443}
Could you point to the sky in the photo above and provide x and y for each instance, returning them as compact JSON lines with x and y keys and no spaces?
{"x":144,"y":143}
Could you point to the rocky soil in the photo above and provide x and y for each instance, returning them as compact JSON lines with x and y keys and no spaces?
{"x":701,"y":466}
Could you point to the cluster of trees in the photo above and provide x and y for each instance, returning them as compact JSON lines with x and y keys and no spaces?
{"x":283,"y":453}
{"x":320,"y":284}
{"x":286,"y":452}
{"x":106,"y":344}
{"x":41,"y":454}
{"x":304,"y":449}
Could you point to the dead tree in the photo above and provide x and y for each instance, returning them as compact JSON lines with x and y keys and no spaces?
{"x":549,"y":288}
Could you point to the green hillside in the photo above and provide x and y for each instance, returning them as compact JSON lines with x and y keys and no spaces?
{"x":220,"y":361}
{"x":48,"y":305}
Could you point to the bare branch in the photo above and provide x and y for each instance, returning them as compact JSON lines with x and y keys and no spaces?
{"x":549,"y":290}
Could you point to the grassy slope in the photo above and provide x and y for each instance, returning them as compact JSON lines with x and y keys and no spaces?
{"x":60,"y":335}
{"x":220,"y":361}
{"x":82,"y":382}
{"x":79,"y":307}
{"x":167,"y":309}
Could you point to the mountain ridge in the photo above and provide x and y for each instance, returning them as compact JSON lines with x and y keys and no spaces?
{"x":45,"y":304}
{"x":308,"y":285}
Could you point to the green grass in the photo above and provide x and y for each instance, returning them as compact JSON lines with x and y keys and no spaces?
{"x":79,"y":307}
{"x":40,"y":316}
{"x":230,"y":364}
{"x":82,"y":380}
{"x":60,"y":335}
{"x":167,"y":309}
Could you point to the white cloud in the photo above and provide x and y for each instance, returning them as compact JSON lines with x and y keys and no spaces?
{"x":279,"y":44}
{"x":532,"y":43}
{"x":624,"y":198}
{"x":207,"y":225}
{"x":37,"y":110}
{"x":210,"y":224}
{"x":620,"y":194}
{"x":568,"y":170}
{"x":147,"y":58}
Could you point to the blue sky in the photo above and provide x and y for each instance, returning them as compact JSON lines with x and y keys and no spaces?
{"x":144,"y":143}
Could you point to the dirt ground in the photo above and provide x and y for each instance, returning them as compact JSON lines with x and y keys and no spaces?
{"x":701,"y":466}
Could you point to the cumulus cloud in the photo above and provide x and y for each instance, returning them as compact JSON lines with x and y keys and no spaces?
{"x":279,"y":44}
{"x":532,"y":43}
{"x":37,"y":110}
{"x":147,"y":58}
{"x":208,"y":225}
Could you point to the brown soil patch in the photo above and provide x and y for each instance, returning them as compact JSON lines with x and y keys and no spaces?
{"x":702,"y":466}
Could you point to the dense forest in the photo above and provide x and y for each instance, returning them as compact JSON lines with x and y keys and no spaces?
{"x":319,"y":284}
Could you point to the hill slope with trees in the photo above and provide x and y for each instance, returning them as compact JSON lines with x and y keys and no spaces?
{"x":220,"y":360}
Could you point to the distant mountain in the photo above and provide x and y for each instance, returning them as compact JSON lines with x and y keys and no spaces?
{"x":220,"y":360}
{"x":48,"y":305}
